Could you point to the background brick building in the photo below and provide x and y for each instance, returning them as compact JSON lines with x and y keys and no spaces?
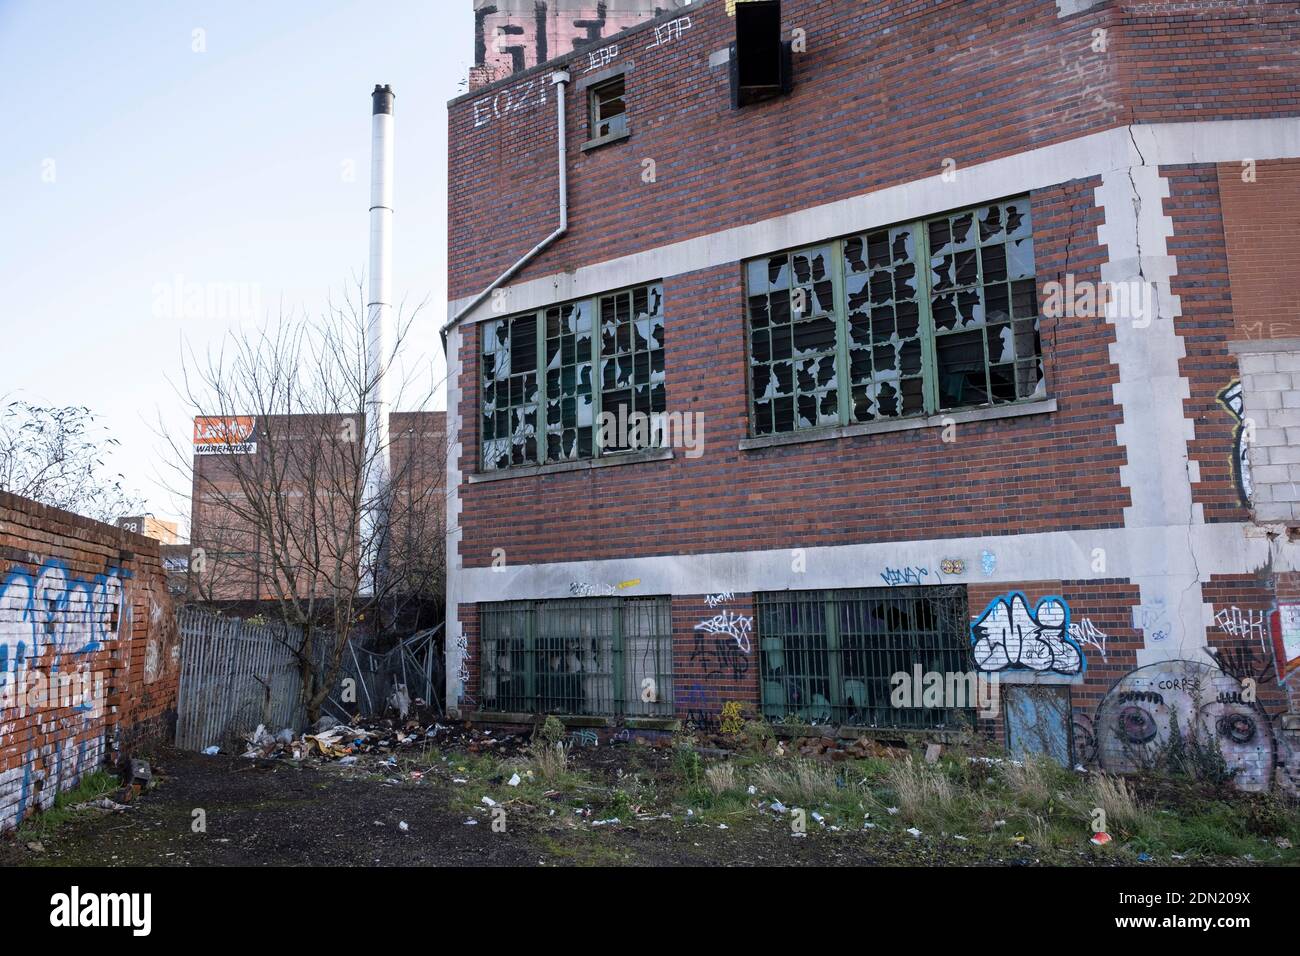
{"x":1060,"y":451}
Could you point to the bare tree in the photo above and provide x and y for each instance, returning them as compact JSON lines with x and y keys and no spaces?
{"x":55,"y":455}
{"x":284,"y":509}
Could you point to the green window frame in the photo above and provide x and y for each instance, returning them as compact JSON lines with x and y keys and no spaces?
{"x":619,"y":333}
{"x":829,"y":656}
{"x":906,"y":341}
{"x":596,"y":657}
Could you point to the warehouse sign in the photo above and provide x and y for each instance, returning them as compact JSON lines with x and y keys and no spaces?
{"x":226,"y":435}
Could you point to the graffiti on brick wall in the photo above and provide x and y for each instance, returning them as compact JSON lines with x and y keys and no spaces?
{"x":1009,"y":635}
{"x":1231,"y":399}
{"x":702,"y":707}
{"x":670,"y":31}
{"x":1214,"y":702}
{"x":723,"y":642}
{"x":1087,"y":634}
{"x":51,"y":622}
{"x":51,"y":611}
{"x":1243,"y":624}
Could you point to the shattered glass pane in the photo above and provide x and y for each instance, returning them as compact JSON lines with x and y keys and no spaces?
{"x":632,"y":358}
{"x":984,"y":303}
{"x":569,"y":410}
{"x":883,"y":319}
{"x":794,"y":339}
{"x":510,"y":392}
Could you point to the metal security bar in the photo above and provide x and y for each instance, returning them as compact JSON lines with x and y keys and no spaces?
{"x":829,"y":656}
{"x":599,"y":657}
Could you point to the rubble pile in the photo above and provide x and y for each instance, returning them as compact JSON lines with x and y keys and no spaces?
{"x":837,"y":749}
{"x":332,"y":741}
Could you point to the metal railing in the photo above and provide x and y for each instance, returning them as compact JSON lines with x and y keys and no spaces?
{"x":601,"y":657}
{"x":830,"y":656}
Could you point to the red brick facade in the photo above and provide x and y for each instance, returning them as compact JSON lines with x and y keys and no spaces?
{"x":1120,"y":497}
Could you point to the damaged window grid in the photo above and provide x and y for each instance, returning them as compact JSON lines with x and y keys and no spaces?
{"x":599,"y":657}
{"x":570,"y":409}
{"x":793,"y":341}
{"x":510,"y":394}
{"x":568,"y":405}
{"x":908,"y":341}
{"x":632,"y":359}
{"x":829,"y":656}
{"x":984,"y":303}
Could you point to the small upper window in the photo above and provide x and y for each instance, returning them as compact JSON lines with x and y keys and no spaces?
{"x":608,"y":110}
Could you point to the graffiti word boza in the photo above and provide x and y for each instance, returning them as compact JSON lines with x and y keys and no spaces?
{"x":1009,"y":635}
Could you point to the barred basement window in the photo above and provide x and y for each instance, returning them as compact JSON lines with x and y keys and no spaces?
{"x":565,"y":405}
{"x":600,"y":657}
{"x":829,"y":656}
{"x":855,"y":330}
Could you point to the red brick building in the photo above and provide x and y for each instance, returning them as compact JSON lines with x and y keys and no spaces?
{"x":964,"y":327}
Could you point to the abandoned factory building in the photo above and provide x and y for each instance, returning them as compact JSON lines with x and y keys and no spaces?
{"x":797,"y":346}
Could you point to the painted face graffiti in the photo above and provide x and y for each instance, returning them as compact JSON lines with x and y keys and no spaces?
{"x":1136,"y":719}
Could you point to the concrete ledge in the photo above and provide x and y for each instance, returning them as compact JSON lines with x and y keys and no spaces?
{"x":1251,"y":346}
{"x":994,"y":413}
{"x":559,"y":467}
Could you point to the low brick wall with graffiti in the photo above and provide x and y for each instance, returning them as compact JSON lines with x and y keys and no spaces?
{"x":88,"y":651}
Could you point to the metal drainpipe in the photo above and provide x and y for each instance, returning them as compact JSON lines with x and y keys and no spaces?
{"x":559,"y":79}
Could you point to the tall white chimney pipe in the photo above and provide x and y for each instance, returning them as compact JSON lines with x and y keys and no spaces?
{"x":379,"y":309}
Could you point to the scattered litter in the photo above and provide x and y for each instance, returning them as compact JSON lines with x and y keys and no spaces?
{"x":36,"y":846}
{"x":892,"y":811}
{"x":1144,"y":857}
{"x":513,"y":781}
{"x":1282,"y":843}
{"x":818,"y":818}
{"x":471,"y":822}
{"x":868,"y":825}
{"x":104,"y":804}
{"x":1100,"y":839}
{"x":752,"y":790}
{"x":403,"y":826}
{"x":604,"y":823}
{"x":914,"y":831}
{"x":778,"y":807}
{"x":489,"y":802}
{"x":958,"y":836}
{"x":722,"y":826}
{"x":999,"y":823}
{"x":212,"y":751}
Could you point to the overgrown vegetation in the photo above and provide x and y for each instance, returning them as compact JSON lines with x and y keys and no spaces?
{"x":92,"y":787}
{"x":989,"y":804}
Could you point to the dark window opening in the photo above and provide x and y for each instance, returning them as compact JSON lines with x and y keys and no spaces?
{"x":608,"y":110}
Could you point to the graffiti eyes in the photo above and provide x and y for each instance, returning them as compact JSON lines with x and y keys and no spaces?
{"x":1136,"y":725}
{"x":1239,"y":728}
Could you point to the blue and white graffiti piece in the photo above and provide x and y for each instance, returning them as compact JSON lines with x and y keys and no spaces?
{"x":1009,"y":636}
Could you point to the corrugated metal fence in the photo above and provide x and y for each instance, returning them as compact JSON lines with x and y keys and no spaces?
{"x":236,"y":674}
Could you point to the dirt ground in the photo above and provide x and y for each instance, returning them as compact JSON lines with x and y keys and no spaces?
{"x":280,"y":813}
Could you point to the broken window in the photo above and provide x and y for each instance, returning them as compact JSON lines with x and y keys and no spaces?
{"x":632,"y":366}
{"x":608,"y":110}
{"x":566,"y":402}
{"x":832,"y":656}
{"x":602,"y":657}
{"x":510,"y":394}
{"x":907,"y":340}
{"x":793,"y":341}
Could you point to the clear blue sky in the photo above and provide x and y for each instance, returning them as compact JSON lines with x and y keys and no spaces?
{"x":223,"y":166}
